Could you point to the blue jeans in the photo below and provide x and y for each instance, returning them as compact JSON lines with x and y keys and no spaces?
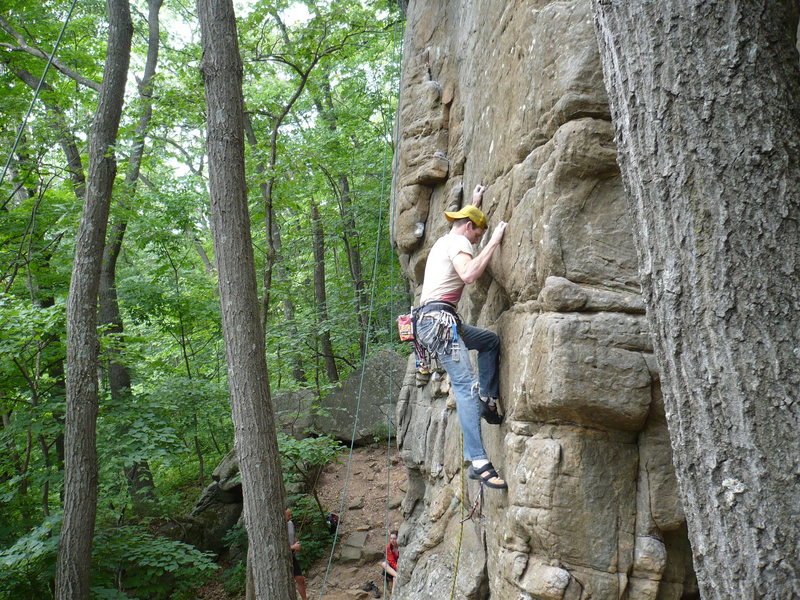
{"x":466,"y":387}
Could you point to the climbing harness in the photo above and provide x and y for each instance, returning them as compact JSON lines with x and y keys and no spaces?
{"x":441,"y":333}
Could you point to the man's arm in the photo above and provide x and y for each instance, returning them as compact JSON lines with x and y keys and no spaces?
{"x":469,"y":268}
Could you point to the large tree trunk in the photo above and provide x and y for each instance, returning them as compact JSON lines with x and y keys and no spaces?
{"x":321,"y":296}
{"x":256,"y":442}
{"x":80,"y":460}
{"x":705,"y":98}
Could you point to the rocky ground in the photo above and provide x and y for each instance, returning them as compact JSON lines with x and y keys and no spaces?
{"x":369,"y":507}
{"x":371,"y":502}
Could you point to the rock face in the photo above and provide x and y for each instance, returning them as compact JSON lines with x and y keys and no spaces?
{"x":369,"y":392}
{"x":509,"y":93}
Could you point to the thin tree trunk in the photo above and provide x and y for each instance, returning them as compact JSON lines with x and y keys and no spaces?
{"x":65,"y":137}
{"x":256,"y":441}
{"x":326,"y":347}
{"x":705,"y":98}
{"x":349,"y":230}
{"x":273,"y":260}
{"x":350,"y":238}
{"x":139,"y":476}
{"x":80,"y":465}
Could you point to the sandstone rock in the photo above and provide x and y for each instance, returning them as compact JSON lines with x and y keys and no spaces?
{"x":356,"y":503}
{"x":382,"y":380}
{"x":292,"y":411}
{"x":350,"y":554}
{"x":585,"y":369}
{"x":511,"y":94}
{"x":227,"y":473}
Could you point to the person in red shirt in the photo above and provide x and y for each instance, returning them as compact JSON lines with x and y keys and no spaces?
{"x":390,"y":564}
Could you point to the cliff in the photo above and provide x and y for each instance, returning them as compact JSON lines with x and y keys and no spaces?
{"x":509,"y":93}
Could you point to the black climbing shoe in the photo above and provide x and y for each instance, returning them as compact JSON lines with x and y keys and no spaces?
{"x":487,"y":476}
{"x":369,"y":586}
{"x":490,"y":412}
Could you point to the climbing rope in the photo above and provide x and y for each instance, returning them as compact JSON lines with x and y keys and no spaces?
{"x":389,"y":412}
{"x":460,"y":526}
{"x":36,"y":93}
{"x":376,"y":259}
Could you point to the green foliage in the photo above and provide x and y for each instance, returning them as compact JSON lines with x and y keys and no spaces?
{"x":29,"y":564}
{"x":128,"y":562}
{"x":234,"y":580}
{"x":149,"y":566}
{"x":176,"y":416}
{"x":302,"y":458}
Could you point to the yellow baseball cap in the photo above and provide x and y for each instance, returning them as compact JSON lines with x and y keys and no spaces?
{"x":473,"y":213}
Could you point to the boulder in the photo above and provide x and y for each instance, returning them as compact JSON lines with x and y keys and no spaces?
{"x":362,"y":409}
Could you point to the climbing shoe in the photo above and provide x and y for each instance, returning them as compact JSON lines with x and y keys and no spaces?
{"x":490,"y":411}
{"x":487,"y":476}
{"x":369,"y":586}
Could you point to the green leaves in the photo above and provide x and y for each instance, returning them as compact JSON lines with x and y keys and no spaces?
{"x":320,"y":91}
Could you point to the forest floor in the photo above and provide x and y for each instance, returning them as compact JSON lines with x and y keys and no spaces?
{"x":376,"y":480}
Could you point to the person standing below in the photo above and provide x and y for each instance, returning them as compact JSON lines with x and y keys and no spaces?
{"x":452,"y":264}
{"x":390,"y":563}
{"x":294,"y":546}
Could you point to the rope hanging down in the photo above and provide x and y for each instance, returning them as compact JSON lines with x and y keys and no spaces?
{"x":363,"y":371}
{"x":36,"y":93}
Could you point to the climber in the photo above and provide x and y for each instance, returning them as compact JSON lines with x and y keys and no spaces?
{"x":294,"y":546}
{"x":452,"y":263}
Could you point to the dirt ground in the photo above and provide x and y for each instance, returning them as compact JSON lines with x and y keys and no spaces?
{"x":377,"y":480}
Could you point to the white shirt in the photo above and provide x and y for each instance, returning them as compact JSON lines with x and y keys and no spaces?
{"x":442,"y":282}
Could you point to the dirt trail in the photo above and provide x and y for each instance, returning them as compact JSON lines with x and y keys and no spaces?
{"x":364,"y":512}
{"x":375,"y":473}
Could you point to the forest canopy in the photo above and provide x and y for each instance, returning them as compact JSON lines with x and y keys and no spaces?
{"x":320,"y":88}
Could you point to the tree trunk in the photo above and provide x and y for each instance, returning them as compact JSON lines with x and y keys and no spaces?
{"x":80,"y":461}
{"x":341,"y":188}
{"x":705,"y":98}
{"x":256,"y":441}
{"x":139,"y":476}
{"x":65,"y":137}
{"x":274,"y":261}
{"x":326,"y":347}
{"x":350,"y":238}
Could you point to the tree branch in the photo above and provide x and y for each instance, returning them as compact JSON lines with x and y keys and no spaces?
{"x":33,"y":51}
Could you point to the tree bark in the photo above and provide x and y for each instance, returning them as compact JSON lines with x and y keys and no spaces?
{"x":326,"y":347}
{"x":349,"y":230}
{"x":80,"y":460}
{"x":256,"y":441}
{"x":705,"y":99}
